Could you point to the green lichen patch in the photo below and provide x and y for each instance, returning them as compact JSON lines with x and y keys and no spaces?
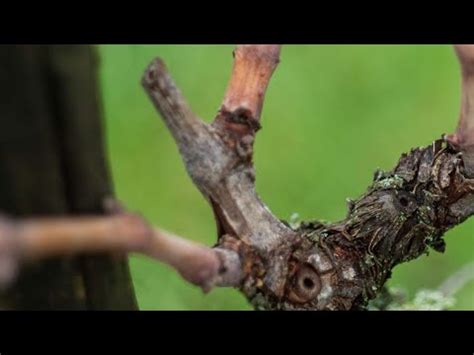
{"x":391,"y":182}
{"x":395,"y":299}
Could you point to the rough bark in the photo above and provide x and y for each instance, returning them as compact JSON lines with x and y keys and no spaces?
{"x":403,"y":213}
{"x":317,"y":266}
{"x":52,"y":162}
{"x":332,"y":266}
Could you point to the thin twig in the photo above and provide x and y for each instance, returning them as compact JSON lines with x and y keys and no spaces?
{"x":31,"y":239}
{"x":458,"y":280}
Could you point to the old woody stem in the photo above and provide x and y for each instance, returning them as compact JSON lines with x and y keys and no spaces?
{"x":218,"y":156}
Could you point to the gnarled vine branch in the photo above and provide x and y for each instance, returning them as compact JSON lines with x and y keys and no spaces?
{"x":335,"y":266}
{"x":317,"y":266}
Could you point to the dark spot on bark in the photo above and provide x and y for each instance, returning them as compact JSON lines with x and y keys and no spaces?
{"x":308,"y":283}
{"x":240,"y":116}
{"x":403,"y":201}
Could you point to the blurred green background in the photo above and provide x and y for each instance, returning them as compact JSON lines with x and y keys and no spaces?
{"x":332,"y":115}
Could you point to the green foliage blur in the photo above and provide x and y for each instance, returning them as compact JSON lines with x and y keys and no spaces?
{"x":332,"y":115}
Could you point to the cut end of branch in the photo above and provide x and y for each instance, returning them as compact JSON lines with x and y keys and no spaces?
{"x":155,"y":70}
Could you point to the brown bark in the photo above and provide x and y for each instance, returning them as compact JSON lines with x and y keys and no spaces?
{"x":337,"y":266}
{"x":463,"y":138}
{"x":317,"y":266}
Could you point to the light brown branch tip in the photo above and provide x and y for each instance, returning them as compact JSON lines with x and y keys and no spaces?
{"x":463,"y":138}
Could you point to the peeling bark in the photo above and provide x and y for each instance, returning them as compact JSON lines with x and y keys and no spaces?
{"x":316,"y":266}
{"x":403,"y":213}
{"x":338,"y":266}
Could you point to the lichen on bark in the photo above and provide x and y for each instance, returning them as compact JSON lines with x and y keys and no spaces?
{"x":403,"y":214}
{"x":316,"y":265}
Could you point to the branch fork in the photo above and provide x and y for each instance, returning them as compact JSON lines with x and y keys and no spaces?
{"x":332,"y":266}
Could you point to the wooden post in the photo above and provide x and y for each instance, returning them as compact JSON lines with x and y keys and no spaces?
{"x":53,"y":162}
